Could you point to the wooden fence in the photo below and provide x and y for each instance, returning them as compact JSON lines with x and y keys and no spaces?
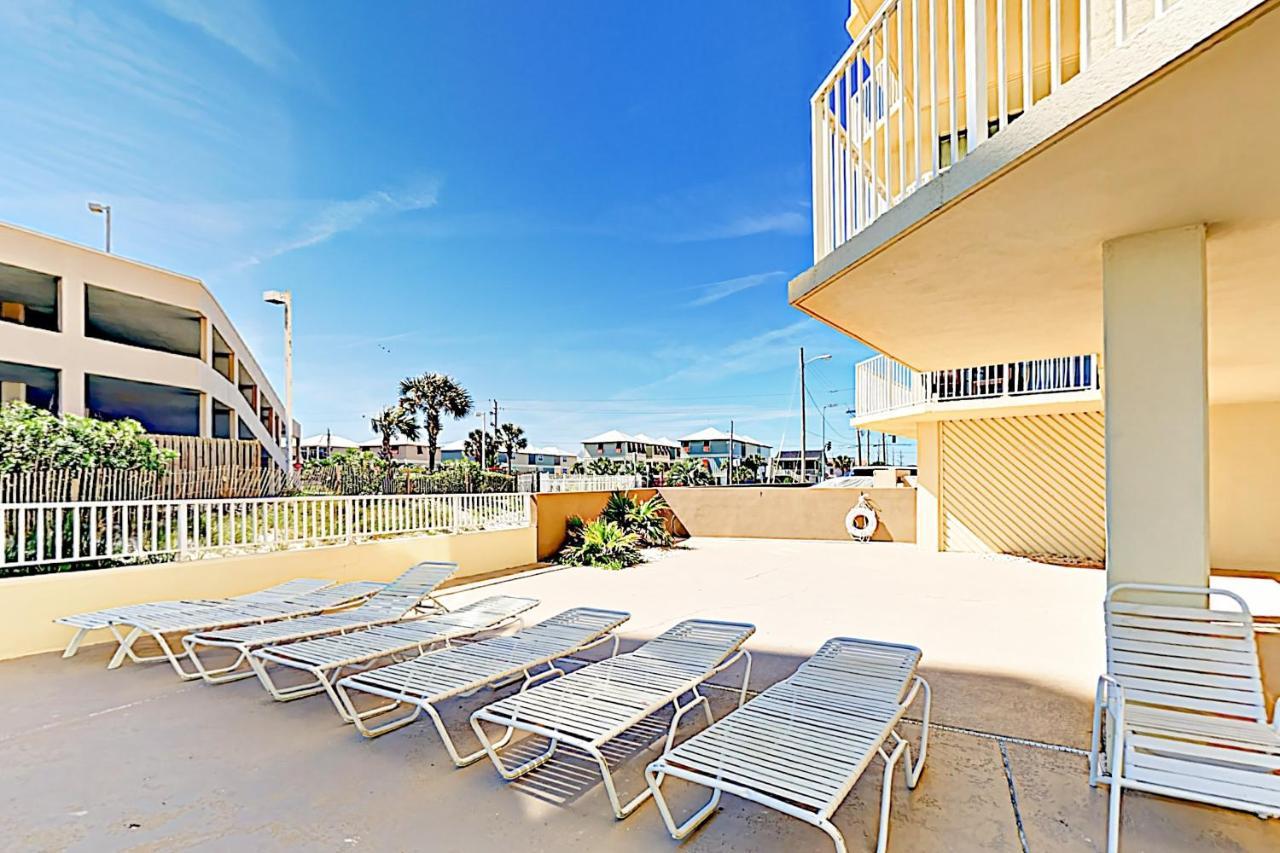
{"x":107,"y":484}
{"x":198,"y":454}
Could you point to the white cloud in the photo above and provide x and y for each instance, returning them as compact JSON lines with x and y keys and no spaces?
{"x":322,"y":221}
{"x":241,"y":25}
{"x":717,"y":290}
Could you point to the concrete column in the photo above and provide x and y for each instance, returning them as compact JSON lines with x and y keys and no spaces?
{"x":1157,"y":407}
{"x":206,"y":415}
{"x":71,"y":376}
{"x":928,"y":486}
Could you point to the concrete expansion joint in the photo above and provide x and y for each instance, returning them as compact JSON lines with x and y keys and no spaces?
{"x":1013,"y":796}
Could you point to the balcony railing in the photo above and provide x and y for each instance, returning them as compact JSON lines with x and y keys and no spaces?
{"x":882,"y":385}
{"x":899,"y":108}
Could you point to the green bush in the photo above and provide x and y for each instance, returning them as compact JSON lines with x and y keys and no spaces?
{"x":604,"y":545}
{"x":32,"y":439}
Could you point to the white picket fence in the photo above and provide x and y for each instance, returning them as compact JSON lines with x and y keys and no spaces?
{"x":589,"y":482}
{"x":50,"y":534}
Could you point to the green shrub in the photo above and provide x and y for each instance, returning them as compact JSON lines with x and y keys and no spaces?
{"x":32,"y":439}
{"x":648,"y":521}
{"x":604,"y":545}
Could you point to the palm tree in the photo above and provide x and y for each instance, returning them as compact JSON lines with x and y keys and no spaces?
{"x":434,"y":395}
{"x":510,"y":438}
{"x":842,"y":464}
{"x":392,"y":421}
{"x":478,"y":445}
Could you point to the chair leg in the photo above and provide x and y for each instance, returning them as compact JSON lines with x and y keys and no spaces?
{"x":620,"y":810}
{"x":74,"y":645}
{"x":1117,"y":787}
{"x":886,"y":800}
{"x":682,"y":830}
{"x":1095,"y":740}
{"x":911,"y":770}
{"x":491,"y":748}
{"x":470,"y":758}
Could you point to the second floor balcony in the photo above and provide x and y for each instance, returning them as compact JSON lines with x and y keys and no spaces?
{"x":884,"y":388}
{"x":926,"y":82}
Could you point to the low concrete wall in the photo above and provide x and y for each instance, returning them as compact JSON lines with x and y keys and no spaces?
{"x":29,"y":605}
{"x":789,"y":513}
{"x":552,"y":510}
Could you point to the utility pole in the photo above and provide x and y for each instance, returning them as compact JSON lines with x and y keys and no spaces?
{"x":484,"y":433}
{"x":803,"y":420}
{"x":730,"y":481}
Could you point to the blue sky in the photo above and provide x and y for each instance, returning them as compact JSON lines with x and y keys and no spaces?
{"x":588,"y":210}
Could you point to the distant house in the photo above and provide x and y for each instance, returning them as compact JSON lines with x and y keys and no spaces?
{"x":402,"y":451}
{"x":711,"y":446}
{"x":551,"y":460}
{"x":323,"y":445}
{"x":624,"y":447}
{"x":788,"y":462}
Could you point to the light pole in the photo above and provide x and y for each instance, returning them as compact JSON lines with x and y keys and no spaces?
{"x":104,"y":209}
{"x":285,"y":298}
{"x":804,"y":406}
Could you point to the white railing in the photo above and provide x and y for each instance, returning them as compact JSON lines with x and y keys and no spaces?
{"x":884,"y":385}
{"x":589,"y":482}
{"x":50,"y":534}
{"x":898,"y":108}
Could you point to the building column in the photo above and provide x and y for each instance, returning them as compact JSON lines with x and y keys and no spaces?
{"x":1155,"y":388}
{"x":71,"y":375}
{"x":928,"y":486}
{"x":206,"y":416}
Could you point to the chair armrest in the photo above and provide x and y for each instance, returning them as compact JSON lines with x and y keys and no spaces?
{"x":1112,"y":692}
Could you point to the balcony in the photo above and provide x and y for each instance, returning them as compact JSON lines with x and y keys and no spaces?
{"x":906,"y":101}
{"x":885,"y":388}
{"x":952,"y":228}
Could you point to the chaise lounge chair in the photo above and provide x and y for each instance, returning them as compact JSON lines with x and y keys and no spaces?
{"x":801,"y":745}
{"x":96,"y":620}
{"x":592,"y":706}
{"x":1180,"y":711}
{"x":435,"y":677}
{"x":408,"y":594}
{"x":326,"y":659}
{"x":169,"y":618}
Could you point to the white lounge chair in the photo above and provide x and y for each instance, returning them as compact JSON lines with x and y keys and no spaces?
{"x":96,"y":620}
{"x":1180,"y":711}
{"x":326,"y":659}
{"x":592,"y":706}
{"x":435,"y":677}
{"x":801,"y":745}
{"x":169,"y":618}
{"x":409,"y":594}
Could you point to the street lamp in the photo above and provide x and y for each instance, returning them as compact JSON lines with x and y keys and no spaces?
{"x":104,"y":209}
{"x":804,"y":423}
{"x":285,"y":298}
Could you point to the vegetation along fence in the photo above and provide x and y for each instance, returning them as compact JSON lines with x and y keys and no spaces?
{"x":589,"y":482}
{"x":56,"y":534}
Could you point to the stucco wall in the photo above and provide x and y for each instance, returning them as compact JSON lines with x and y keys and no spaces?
{"x":1244,"y":468}
{"x":551,"y":511}
{"x":789,"y":513}
{"x":29,"y":605}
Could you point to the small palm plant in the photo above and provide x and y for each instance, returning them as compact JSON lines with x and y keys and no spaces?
{"x":648,"y":521}
{"x":604,"y":545}
{"x":510,"y":438}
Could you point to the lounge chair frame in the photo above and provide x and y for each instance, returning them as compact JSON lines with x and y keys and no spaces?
{"x":1180,"y":711}
{"x":847,"y":710}
{"x":160,"y":623}
{"x":542,"y":659}
{"x":97,"y":620}
{"x":411,"y":593}
{"x":386,"y":644}
{"x":631,"y":682}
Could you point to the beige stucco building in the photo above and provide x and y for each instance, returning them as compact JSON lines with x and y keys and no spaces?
{"x":89,"y":333}
{"x":1108,"y":231}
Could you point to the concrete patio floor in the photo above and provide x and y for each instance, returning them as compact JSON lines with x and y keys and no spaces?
{"x":137,"y":760}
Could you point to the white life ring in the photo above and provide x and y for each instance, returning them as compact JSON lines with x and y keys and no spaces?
{"x":861,"y":522}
